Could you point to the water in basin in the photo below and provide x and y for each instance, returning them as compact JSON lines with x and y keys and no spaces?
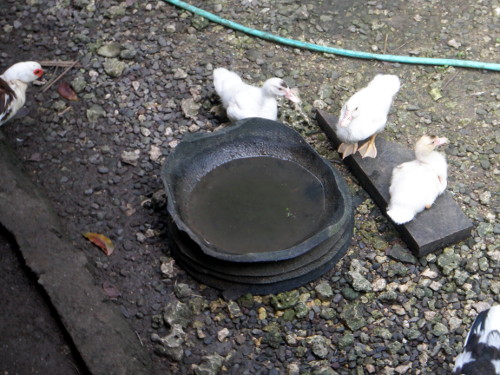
{"x":257,"y":204}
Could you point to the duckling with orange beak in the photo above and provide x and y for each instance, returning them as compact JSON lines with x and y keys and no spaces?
{"x":416,"y":184}
{"x":364,"y":115}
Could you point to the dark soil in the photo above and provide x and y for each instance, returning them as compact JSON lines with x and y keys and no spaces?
{"x":33,"y":339}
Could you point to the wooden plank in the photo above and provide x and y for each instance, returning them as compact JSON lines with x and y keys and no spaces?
{"x":431,"y":230}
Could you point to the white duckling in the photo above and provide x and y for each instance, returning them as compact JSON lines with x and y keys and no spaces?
{"x":13,"y":84}
{"x":242,"y":100}
{"x":416,"y":184}
{"x":365,"y":114}
{"x":481,"y":355}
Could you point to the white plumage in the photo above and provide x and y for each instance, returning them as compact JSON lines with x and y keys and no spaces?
{"x":365,"y":114}
{"x":481,"y":355}
{"x":13,"y":84}
{"x":416,"y":184}
{"x":242,"y":100}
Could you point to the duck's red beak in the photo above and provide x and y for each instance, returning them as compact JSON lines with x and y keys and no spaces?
{"x":38,"y":72}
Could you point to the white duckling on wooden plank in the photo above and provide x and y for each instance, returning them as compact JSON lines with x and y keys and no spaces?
{"x":416,"y":184}
{"x":365,"y":115}
{"x":243,"y":101}
{"x":13,"y":84}
{"x":481,"y":355}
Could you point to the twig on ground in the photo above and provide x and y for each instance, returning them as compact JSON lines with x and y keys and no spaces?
{"x":59,"y":63}
{"x":445,"y":85}
{"x":385,"y":43}
{"x":139,"y":337}
{"x":73,"y":63}
{"x":64,"y":111}
{"x":404,"y":44}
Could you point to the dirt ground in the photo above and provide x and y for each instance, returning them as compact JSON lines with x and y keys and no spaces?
{"x":33,"y":339}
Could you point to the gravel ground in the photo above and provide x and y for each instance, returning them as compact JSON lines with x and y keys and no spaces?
{"x":145,"y":82}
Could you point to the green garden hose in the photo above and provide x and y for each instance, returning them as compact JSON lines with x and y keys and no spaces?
{"x":341,"y":52}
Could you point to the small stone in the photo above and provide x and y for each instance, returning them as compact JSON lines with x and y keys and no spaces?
{"x":182,"y":290}
{"x":199,"y":22}
{"x":383,"y":333}
{"x":485,"y":197}
{"x":435,"y":286}
{"x":95,"y":112}
{"x":448,"y":261}
{"x":401,"y":254}
{"x":190,"y":108}
{"x":370,"y":368}
{"x":172,"y":343}
{"x":173,"y":143}
{"x":403,"y":369}
{"x":324,"y":291}
{"x":210,"y":365}
{"x":453,"y":43}
{"x":177,"y":312}
{"x":155,"y":153}
{"x":261,"y":313}
{"x":460,"y":276}
{"x":349,"y":293}
{"x":359,"y":282}
{"x":388,"y":296}
{"x":273,"y":336}
{"x":114,"y":67}
{"x":328,"y":313}
{"x":234,"y":309}
{"x":283,"y":301}
{"x":293,"y":369}
{"x":167,"y":268}
{"x":109,"y":50}
{"x":454,"y":323}
{"x":301,"y":310}
{"x":325,"y":370}
{"x":288,"y":315}
{"x":128,"y":53}
{"x":180,"y":74}
{"x":222,"y":334}
{"x":319,"y":345}
{"x":346,"y":341}
{"x":483,"y":264}
{"x":130,"y":157}
{"x":435,"y":93}
{"x":78,"y":84}
{"x":116,"y":11}
{"x":439,"y":329}
{"x":103,"y":170}
{"x":379,"y":285}
{"x":352,"y":314}
{"x":429,"y":273}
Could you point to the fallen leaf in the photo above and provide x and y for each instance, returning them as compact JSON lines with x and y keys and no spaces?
{"x":110,"y":290}
{"x":65,"y":90}
{"x":101,"y":241}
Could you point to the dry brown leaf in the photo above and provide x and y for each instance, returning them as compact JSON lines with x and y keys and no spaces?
{"x":110,"y":290}
{"x":65,"y":90}
{"x":101,"y":241}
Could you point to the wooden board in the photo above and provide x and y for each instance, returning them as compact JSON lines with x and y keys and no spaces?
{"x":432,"y":229}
